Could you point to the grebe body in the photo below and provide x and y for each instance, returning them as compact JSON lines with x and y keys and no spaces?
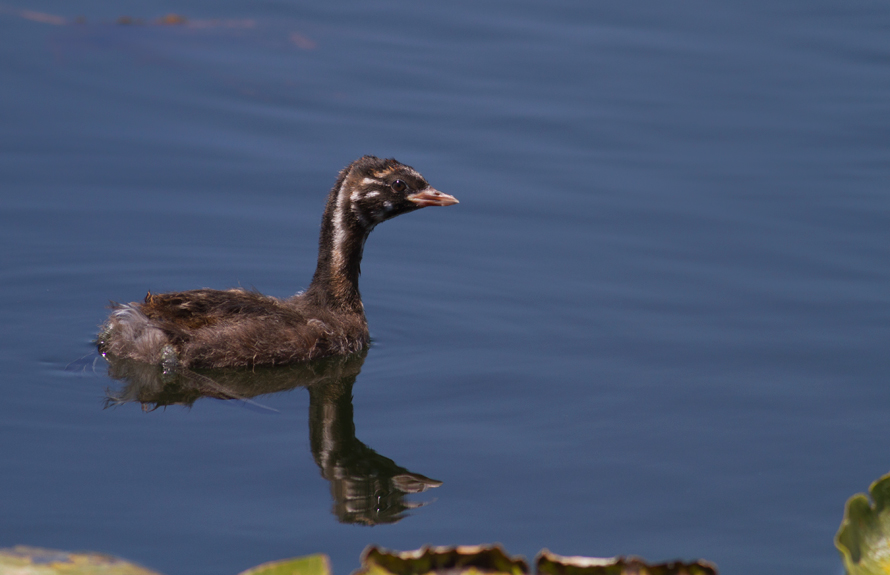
{"x":208,"y":328}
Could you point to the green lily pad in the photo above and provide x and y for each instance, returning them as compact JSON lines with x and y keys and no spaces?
{"x":864,"y":535}
{"x":551,"y":564}
{"x":317,"y":564}
{"x":463,"y":560}
{"x":24,"y":560}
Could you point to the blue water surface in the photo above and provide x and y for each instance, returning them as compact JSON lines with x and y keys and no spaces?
{"x":657,"y":323}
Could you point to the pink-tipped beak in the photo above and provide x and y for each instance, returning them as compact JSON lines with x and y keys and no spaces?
{"x":432,"y":197}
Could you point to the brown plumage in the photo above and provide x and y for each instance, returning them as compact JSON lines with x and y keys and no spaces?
{"x":237,"y":327}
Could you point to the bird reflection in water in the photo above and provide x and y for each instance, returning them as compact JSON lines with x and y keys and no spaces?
{"x":367,"y":487}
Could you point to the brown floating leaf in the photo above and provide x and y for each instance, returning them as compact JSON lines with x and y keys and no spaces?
{"x":467,"y":560}
{"x":234,"y":24}
{"x":129,"y":21}
{"x":43,"y":17}
{"x":171,"y":20}
{"x":301,"y":41}
{"x":548,"y":563}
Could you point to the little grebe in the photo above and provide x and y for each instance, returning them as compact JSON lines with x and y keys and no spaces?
{"x":237,"y":327}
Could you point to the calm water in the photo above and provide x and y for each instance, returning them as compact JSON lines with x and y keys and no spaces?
{"x":657,"y":323}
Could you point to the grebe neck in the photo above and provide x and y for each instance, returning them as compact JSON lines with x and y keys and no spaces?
{"x":341,"y":243}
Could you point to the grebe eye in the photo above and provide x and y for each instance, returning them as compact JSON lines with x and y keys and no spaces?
{"x":398,"y":186}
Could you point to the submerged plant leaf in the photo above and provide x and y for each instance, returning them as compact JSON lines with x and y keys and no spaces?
{"x":551,"y":564}
{"x":317,"y":564}
{"x":24,"y":560}
{"x":467,"y":560}
{"x":864,"y":535}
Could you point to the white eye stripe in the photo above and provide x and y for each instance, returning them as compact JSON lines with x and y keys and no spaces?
{"x":413,"y":172}
{"x":369,"y":181}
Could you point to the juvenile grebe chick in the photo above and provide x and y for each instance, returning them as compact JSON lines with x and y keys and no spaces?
{"x":236,"y":327}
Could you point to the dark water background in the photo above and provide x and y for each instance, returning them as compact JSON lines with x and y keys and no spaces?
{"x":657,"y":324}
